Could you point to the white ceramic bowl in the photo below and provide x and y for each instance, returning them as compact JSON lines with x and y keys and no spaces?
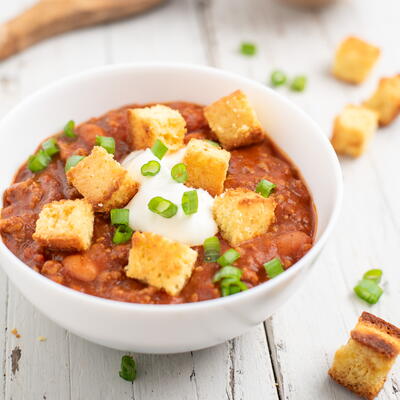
{"x":165,"y":328}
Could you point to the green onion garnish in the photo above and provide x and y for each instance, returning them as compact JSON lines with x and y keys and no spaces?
{"x":190,"y":202}
{"x":179,"y":173}
{"x":39,"y":161}
{"x":228,"y":272}
{"x":163,"y":207}
{"x":119,"y":216}
{"x":50,"y":146}
{"x":368,"y":290}
{"x":248,"y":49}
{"x":373,"y":275}
{"x":72,"y":161}
{"x":151,"y":168}
{"x":128,"y":368}
{"x":265,"y":188}
{"x":69,"y":129}
{"x":159,"y":149}
{"x":212,"y":249}
{"x":228,"y":258}
{"x":299,"y":83}
{"x":273,"y":268}
{"x":107,"y":143}
{"x":213,"y":143}
{"x":231,"y":286}
{"x":122,"y":234}
{"x":278,"y":78}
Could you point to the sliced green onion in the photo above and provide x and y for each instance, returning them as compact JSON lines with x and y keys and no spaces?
{"x":179,"y":173}
{"x":122,"y":234}
{"x":215,"y":144}
{"x":107,"y":143}
{"x":39,"y":161}
{"x":299,"y":83}
{"x":368,"y":291}
{"x":228,"y":272}
{"x":228,"y":258}
{"x":151,"y":168}
{"x":50,"y":146}
{"x":159,"y":149}
{"x":163,"y":207}
{"x":248,"y":49}
{"x":265,"y":188}
{"x":278,"y":78}
{"x":273,"y":268}
{"x":212,"y":249}
{"x":72,"y":162}
{"x":190,"y":202}
{"x":373,"y":275}
{"x":119,"y":216}
{"x":128,"y":369}
{"x":69,"y":129}
{"x":231,"y":286}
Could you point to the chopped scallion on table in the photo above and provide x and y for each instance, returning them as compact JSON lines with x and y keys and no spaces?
{"x":107,"y":143}
{"x":190,"y":202}
{"x":119,"y":216}
{"x":248,"y":49}
{"x":39,"y":161}
{"x":69,"y":129}
{"x":179,"y":173}
{"x":72,"y":162}
{"x":50,"y":146}
{"x":163,"y":207}
{"x":128,"y":369}
{"x":159,"y":149}
{"x":368,"y":290}
{"x":299,"y":83}
{"x":228,"y":272}
{"x":212,"y":249}
{"x":152,"y":168}
{"x":228,"y":258}
{"x":273,"y":268}
{"x":122,"y":234}
{"x":278,"y":78}
{"x":373,"y":275}
{"x":265,"y":188}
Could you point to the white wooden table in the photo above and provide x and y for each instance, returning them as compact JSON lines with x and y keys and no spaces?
{"x":288,"y":356}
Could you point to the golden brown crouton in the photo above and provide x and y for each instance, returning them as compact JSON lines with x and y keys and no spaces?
{"x":242,"y":214}
{"x":353,"y":129}
{"x":65,"y":225}
{"x":102,"y":180}
{"x":160,"y":262}
{"x":354,"y":60}
{"x":206,"y":165}
{"x":386,"y":100}
{"x":363,"y":363}
{"x":234,"y":121}
{"x":157,"y":122}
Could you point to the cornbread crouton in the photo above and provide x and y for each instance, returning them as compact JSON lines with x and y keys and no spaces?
{"x":242,"y":214}
{"x":234,"y":121}
{"x":160,"y":262}
{"x":206,"y":165}
{"x":386,"y":100}
{"x":354,"y":60}
{"x":363,"y":363}
{"x":157,"y":122}
{"x":65,"y":225}
{"x":353,"y":129}
{"x":102,"y":180}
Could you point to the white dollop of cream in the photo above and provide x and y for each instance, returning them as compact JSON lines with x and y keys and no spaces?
{"x":188,"y":229}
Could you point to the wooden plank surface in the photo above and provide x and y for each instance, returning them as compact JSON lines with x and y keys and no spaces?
{"x":296,"y":346}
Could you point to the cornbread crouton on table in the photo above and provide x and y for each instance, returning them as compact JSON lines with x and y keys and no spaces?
{"x":242,"y":214}
{"x":234,"y":121}
{"x":157,"y":122}
{"x":206,"y":165}
{"x":65,"y":225}
{"x":160,"y":262}
{"x":363,"y":363}
{"x":102,"y":181}
{"x":386,"y":100}
{"x":353,"y":129}
{"x":354,"y":60}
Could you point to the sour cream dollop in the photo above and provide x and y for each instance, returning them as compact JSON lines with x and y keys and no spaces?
{"x":189,"y":229}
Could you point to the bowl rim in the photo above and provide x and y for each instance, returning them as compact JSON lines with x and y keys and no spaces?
{"x":221,"y":301}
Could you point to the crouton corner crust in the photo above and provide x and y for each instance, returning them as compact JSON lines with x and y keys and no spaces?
{"x":242,"y":214}
{"x":65,"y":225}
{"x":363,"y":364}
{"x":160,"y":262}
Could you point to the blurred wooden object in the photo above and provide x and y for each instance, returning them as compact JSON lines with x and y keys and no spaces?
{"x":51,"y":17}
{"x":309,"y":3}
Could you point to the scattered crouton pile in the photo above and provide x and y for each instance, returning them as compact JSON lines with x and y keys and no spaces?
{"x":363,"y":364}
{"x":355,"y":126}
